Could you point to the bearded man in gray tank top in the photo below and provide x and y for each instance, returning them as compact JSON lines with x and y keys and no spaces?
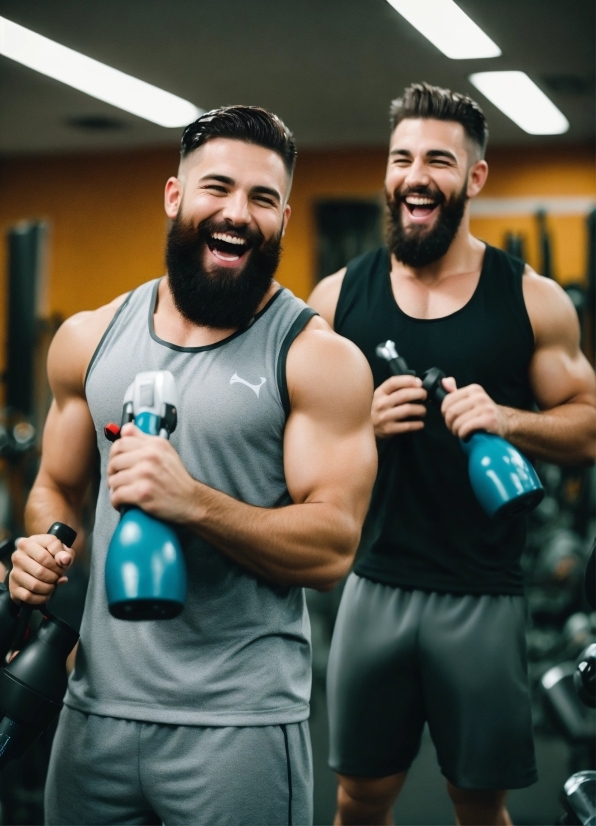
{"x":431,"y":624}
{"x":202,"y":718}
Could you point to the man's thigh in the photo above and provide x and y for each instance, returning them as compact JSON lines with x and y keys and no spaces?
{"x":473,"y":665}
{"x":228,"y":776}
{"x":93,"y":776}
{"x":374,"y":694}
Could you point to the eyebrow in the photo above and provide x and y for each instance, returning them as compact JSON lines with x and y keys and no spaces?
{"x":432,"y":153}
{"x":224,"y":179}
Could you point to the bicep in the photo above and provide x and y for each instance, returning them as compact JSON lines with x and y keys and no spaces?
{"x":559,"y":372}
{"x":69,"y":449}
{"x":69,"y":444}
{"x":329,"y":446}
{"x":559,"y":375}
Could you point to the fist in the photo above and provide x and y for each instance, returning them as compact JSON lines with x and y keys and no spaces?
{"x":146,"y":471}
{"x":471,"y":408}
{"x":39,"y":565}
{"x":398,"y":406}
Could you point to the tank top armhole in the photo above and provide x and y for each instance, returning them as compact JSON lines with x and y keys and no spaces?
{"x":95,"y":355}
{"x":521,"y":301}
{"x":296,"y":327}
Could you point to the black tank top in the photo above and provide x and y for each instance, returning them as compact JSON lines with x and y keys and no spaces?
{"x":425,"y":529}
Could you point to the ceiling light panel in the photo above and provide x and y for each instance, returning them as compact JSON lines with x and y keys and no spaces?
{"x":447,"y":27}
{"x":518,"y":97}
{"x":94,"y":78}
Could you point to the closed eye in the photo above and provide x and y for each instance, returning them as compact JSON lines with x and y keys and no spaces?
{"x":215,"y":188}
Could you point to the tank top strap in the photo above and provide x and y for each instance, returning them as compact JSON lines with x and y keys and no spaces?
{"x":501,"y":290}
{"x":137,"y":301}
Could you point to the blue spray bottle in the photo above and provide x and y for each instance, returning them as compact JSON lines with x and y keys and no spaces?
{"x":145,"y":570}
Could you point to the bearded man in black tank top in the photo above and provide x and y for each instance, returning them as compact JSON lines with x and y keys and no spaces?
{"x":431,"y":625}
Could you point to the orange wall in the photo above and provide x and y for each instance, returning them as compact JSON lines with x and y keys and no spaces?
{"x":548,"y":171}
{"x":108,"y":226}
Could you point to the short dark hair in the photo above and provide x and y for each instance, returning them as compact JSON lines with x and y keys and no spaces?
{"x":244,"y":123}
{"x":421,"y":100}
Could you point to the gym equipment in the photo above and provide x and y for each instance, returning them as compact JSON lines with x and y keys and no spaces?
{"x":584,"y":676}
{"x":33,"y":684}
{"x":579,"y":794}
{"x":515,"y":244}
{"x":545,"y":246}
{"x":504,"y":482}
{"x":145,"y":572}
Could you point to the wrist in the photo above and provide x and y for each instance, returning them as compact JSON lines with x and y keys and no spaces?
{"x":195,"y":509}
{"x":507,"y":422}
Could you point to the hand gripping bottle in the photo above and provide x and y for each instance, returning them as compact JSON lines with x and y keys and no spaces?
{"x":504,"y":482}
{"x":145,"y":570}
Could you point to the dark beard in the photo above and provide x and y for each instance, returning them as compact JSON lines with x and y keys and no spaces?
{"x":419,"y":246}
{"x":220,"y":298}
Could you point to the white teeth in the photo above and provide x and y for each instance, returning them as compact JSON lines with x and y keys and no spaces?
{"x":229,"y":239}
{"x":419,"y":201}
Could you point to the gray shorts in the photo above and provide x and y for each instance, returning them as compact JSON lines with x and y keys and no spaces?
{"x":105,"y":770}
{"x":402,"y":658}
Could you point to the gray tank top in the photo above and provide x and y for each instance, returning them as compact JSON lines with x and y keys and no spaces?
{"x":239,"y":653}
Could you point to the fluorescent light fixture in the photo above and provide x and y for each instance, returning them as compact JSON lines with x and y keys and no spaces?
{"x":94,"y":78}
{"x":447,"y":27}
{"x":518,"y":97}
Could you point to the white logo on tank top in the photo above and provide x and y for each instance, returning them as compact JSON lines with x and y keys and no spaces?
{"x":256,"y":387}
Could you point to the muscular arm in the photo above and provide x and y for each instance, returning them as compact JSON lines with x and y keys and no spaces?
{"x":68,"y":458}
{"x":329,"y":463}
{"x":563,"y":383}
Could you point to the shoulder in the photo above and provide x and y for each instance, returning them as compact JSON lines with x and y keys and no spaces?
{"x":327,"y":372}
{"x":325,"y":295}
{"x":74,"y":344}
{"x":551,"y":312}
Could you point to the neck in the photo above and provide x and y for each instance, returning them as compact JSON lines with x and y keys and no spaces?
{"x":172,"y":326}
{"x":463,"y":256}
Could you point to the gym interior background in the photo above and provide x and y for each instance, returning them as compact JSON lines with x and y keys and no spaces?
{"x":91,"y":176}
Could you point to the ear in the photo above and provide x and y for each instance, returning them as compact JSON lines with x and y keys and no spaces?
{"x":172,"y":197}
{"x":286,"y":218}
{"x":477,"y":178}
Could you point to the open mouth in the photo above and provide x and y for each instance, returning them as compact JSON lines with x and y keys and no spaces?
{"x":420,"y":207}
{"x":227,"y":247}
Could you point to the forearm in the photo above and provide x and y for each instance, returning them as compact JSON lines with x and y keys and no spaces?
{"x":47,"y":504}
{"x":310,"y":544}
{"x":565,"y":435}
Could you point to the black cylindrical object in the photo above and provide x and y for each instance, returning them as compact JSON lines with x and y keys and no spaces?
{"x":25,"y":259}
{"x":397,"y":364}
{"x":433,"y":384}
{"x":9,"y":621}
{"x":33,"y":684}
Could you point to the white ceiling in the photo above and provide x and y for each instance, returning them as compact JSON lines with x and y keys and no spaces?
{"x":328,"y":67}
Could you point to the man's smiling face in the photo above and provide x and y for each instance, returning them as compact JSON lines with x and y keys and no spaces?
{"x":428,"y":165}
{"x":240,"y":190}
{"x":431,"y":173}
{"x":228,"y":209}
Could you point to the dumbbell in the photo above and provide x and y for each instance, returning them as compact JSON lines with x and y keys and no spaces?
{"x":504,"y":482}
{"x":145,"y":572}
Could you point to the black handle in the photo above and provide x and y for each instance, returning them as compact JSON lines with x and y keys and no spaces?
{"x":67,"y":536}
{"x":432,"y":383}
